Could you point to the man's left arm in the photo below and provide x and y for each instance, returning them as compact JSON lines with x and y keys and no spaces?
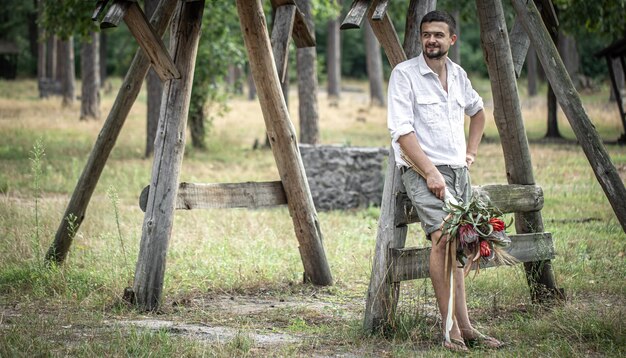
{"x":476,"y":127}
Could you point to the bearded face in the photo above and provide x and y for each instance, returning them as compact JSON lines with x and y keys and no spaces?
{"x":436,"y":39}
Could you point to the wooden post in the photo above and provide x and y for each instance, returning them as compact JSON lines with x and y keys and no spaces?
{"x":281,"y":33}
{"x":283,"y":142}
{"x":106,"y":140}
{"x":382,"y":296}
{"x":570,"y":102}
{"x":508,"y":117}
{"x":168,"y":156}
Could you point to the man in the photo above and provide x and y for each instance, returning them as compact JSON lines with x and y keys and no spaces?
{"x":428,"y":98}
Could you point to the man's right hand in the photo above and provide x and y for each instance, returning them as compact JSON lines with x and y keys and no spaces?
{"x":436,"y":184}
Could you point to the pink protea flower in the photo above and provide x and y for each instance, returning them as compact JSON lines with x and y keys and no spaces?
{"x":485,"y":250}
{"x":467,"y":234}
{"x":497,"y":224}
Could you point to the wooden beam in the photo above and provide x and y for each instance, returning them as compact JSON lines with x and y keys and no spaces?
{"x":387,"y":36}
{"x":281,"y":33}
{"x":413,"y":263}
{"x":572,"y":106}
{"x":355,"y":15}
{"x":115,"y":14}
{"x":151,"y":43}
{"x":282,"y":136}
{"x":303,"y":36}
{"x":380,"y":10}
{"x":249,"y":195}
{"x":105,"y":141}
{"x":519,"y":46}
{"x":512,"y":198}
{"x":169,"y":147}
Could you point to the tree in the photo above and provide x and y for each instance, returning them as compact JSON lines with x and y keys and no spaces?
{"x":90,"y":73}
{"x":333,"y":55}
{"x":220,"y":46}
{"x":374,"y":66}
{"x":65,"y":60}
{"x":306,"y":63}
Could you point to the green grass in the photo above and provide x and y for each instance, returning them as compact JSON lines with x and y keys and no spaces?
{"x":241,"y":268}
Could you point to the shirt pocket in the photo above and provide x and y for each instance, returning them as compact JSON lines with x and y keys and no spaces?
{"x":431,"y":111}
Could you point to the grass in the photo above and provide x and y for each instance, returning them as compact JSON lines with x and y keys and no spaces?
{"x":241,"y":269}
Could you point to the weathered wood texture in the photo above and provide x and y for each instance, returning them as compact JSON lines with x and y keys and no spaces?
{"x":115,"y":14}
{"x":508,"y":118}
{"x":303,"y":35}
{"x":151,"y":43}
{"x":224,"y":195}
{"x":281,"y":33}
{"x":417,"y":9}
{"x":168,"y":156}
{"x":510,"y":198}
{"x":412,"y":263}
{"x":355,"y":15}
{"x":382,"y":297}
{"x":570,"y":102}
{"x":283,"y":141}
{"x":519,"y":46}
{"x":106,"y":140}
{"x":380,"y":10}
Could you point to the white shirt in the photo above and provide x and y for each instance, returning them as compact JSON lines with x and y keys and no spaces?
{"x":418,"y":103}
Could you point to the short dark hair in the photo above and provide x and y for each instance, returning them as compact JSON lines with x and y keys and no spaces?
{"x":440,"y":16}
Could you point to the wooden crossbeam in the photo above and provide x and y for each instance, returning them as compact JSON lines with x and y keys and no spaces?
{"x":145,"y":35}
{"x":302,"y":34}
{"x":224,"y":195}
{"x":355,"y":15}
{"x":520,"y":42}
{"x":508,"y":198}
{"x":387,"y":36}
{"x":412,"y":263}
{"x":281,"y":33}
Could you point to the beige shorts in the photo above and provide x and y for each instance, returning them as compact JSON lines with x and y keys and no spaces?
{"x":429,"y":207}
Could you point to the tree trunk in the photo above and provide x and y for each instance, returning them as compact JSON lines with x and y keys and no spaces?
{"x":90,"y":73}
{"x":333,"y":57}
{"x":155,"y":92}
{"x":66,"y":62}
{"x":552,"y":115}
{"x":417,"y":9}
{"x":619,"y":78}
{"x":508,"y":117}
{"x":197,"y":128}
{"x":41,"y":48}
{"x":103,"y":58}
{"x":251,"y":86}
{"x":569,"y":55}
{"x":455,"y":51}
{"x":532,"y":71}
{"x":306,"y":64}
{"x":374,"y":66}
{"x":51,"y":57}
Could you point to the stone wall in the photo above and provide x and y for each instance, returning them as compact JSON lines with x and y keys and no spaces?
{"x":344,"y":177}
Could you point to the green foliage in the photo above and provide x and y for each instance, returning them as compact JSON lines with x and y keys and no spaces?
{"x":604,"y":17}
{"x":66,"y":18}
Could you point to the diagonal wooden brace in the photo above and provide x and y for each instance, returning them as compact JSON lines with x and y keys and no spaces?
{"x":284,"y":18}
{"x":302,"y":34}
{"x":145,"y":35}
{"x":355,"y":15}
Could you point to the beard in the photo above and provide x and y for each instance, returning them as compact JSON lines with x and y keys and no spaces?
{"x":434,"y":53}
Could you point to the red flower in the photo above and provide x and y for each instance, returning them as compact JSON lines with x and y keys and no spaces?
{"x":485,"y":250}
{"x":497,"y":224}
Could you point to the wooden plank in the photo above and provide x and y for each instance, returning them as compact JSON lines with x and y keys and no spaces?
{"x":281,"y":33}
{"x":151,"y":43}
{"x":169,"y":147}
{"x":512,"y":198}
{"x":105,"y":141}
{"x":387,"y":36}
{"x":282,"y":137}
{"x":355,"y":15}
{"x":224,"y":195}
{"x":413,"y":263}
{"x":519,"y":46}
{"x":572,"y":106}
{"x":303,"y":36}
{"x":115,"y":14}
{"x":380,"y":10}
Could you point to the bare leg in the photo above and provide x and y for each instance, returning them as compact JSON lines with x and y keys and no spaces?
{"x":437,"y":276}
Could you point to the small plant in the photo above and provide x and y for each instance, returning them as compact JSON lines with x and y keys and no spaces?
{"x":112,"y":194}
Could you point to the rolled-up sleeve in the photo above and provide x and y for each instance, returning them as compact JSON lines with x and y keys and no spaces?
{"x":400,"y":105}
{"x":473,"y":101}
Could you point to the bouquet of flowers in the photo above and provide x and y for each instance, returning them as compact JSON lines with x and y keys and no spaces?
{"x":479,"y":230}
